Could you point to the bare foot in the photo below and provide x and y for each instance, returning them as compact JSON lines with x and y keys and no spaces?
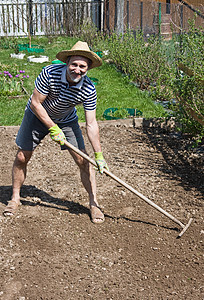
{"x":97,"y":217}
{"x":11,"y":208}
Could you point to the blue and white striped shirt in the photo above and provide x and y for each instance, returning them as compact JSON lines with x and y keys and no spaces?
{"x":61,"y":98}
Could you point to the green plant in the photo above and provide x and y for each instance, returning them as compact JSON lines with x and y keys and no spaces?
{"x":89,"y":33}
{"x":12,"y":84}
{"x":189,"y":109}
{"x":9,"y":43}
{"x":144,"y":62}
{"x":188,"y":85}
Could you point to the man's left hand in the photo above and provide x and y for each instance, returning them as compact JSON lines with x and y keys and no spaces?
{"x":100,"y":161}
{"x":57,"y":134}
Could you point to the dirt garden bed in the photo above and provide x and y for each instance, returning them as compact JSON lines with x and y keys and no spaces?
{"x":51,"y":250}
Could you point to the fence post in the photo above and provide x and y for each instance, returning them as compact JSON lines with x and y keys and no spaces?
{"x":181,"y":16}
{"x":30,"y":20}
{"x":141,"y":15}
{"x":128,"y":16}
{"x":99,"y":19}
{"x":107,"y":16}
{"x":159,"y":19}
{"x":30,"y":4}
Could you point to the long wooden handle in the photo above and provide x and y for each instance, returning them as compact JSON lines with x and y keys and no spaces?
{"x":125,"y":185}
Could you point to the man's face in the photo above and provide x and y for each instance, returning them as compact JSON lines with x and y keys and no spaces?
{"x":77,"y":68}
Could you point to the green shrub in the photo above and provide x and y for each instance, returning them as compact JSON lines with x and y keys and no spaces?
{"x":188,"y":86}
{"x":89,"y":33}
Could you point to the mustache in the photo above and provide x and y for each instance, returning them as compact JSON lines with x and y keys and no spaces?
{"x":73,"y":72}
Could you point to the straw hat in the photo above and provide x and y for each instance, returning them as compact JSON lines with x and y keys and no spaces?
{"x":81,"y":49}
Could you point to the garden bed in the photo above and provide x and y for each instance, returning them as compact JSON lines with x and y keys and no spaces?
{"x":51,"y":250}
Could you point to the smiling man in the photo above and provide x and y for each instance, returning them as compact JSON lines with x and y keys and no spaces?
{"x":77,"y":68}
{"x":51,"y":109}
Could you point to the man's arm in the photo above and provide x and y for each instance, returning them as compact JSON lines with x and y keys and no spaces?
{"x":93,"y":135}
{"x":93,"y":130}
{"x":56,"y":133}
{"x":36,"y":105}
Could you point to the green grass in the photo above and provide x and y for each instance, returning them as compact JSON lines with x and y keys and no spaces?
{"x":113,"y":89}
{"x":12,"y":110}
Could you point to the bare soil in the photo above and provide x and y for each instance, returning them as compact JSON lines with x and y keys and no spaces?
{"x":51,"y":249}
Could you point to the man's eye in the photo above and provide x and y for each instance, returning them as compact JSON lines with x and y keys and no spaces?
{"x":74,"y":65}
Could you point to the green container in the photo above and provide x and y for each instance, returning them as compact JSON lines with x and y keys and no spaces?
{"x":57,"y":61}
{"x":121,"y":113}
{"x":99,"y":53}
{"x":94,"y":80}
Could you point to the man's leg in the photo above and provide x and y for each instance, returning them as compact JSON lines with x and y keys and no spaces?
{"x":18,"y":178}
{"x":89,"y":182}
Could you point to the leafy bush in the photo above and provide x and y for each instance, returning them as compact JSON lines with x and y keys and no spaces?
{"x":188,"y":86}
{"x":89,"y":33}
{"x":144,"y":62}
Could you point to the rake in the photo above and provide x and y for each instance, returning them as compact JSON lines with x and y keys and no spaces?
{"x":183,"y":226}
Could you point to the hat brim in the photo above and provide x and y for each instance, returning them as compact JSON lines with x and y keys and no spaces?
{"x":96,"y":60}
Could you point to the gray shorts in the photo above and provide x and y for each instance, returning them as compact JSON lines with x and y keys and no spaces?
{"x":32,"y":131}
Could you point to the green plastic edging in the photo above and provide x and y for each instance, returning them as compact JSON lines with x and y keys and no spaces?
{"x":34,"y":48}
{"x":131,"y":112}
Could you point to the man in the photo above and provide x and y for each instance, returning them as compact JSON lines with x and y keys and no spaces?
{"x":51,"y":109}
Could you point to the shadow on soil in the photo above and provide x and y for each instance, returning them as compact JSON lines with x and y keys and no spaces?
{"x":44,"y":199}
{"x":175,"y":150}
{"x":144,"y":222}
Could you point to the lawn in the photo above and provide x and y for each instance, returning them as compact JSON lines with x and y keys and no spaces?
{"x":113,"y":89}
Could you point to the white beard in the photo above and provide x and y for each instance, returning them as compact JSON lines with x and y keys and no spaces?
{"x":75,"y":80}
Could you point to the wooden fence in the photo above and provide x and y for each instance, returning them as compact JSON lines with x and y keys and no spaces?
{"x":54,"y":17}
{"x":151,"y":16}
{"x":41,"y":18}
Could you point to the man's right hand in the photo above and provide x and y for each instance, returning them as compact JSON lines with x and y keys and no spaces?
{"x":100,"y":161}
{"x":57,"y":134}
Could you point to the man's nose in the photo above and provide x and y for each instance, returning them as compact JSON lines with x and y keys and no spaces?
{"x":77,"y":70}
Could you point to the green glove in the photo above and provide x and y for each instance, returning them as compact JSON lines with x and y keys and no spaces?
{"x":57,"y":134}
{"x":100,"y":161}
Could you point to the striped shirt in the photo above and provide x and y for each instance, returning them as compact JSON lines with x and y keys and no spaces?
{"x":61,"y":98}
